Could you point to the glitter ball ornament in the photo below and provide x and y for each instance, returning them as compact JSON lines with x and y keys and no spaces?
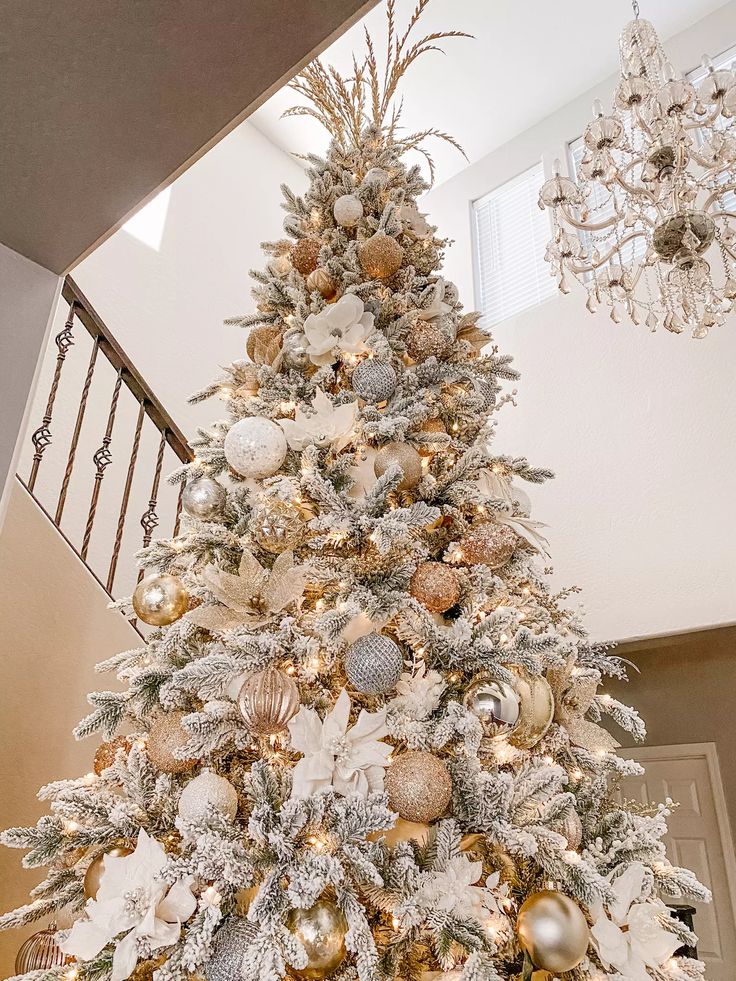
{"x":404,"y":456}
{"x":204,"y":498}
{"x":380,"y":256}
{"x":268,"y":700}
{"x":321,"y":281}
{"x":348,"y":210}
{"x":228,"y":948}
{"x":426,"y":339}
{"x":160,"y":600}
{"x":40,"y":952}
{"x":305,"y":255}
{"x":436,"y":586}
{"x":206,"y":789}
{"x":373,"y":664}
{"x":277,"y":525}
{"x":419,"y":786}
{"x":106,"y":752}
{"x":537,"y":708}
{"x":376,"y":177}
{"x":259,"y":338}
{"x":496,"y":704}
{"x":164,"y":739}
{"x":255,"y":447}
{"x":321,"y":931}
{"x":553,"y":931}
{"x":374,"y":381}
{"x":490,"y":543}
{"x":95,"y":870}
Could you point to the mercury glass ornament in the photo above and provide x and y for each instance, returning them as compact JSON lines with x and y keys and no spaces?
{"x":305,"y":255}
{"x":376,"y":177}
{"x":321,"y":281}
{"x":404,"y":456}
{"x":348,"y":210}
{"x":96,"y":868}
{"x":419,"y":786}
{"x":426,"y":339}
{"x":490,"y":543}
{"x":277,"y":525}
{"x":373,"y":664}
{"x":321,"y":931}
{"x":160,"y":600}
{"x":374,"y":381}
{"x":228,"y":947}
{"x":295,"y":350}
{"x":106,"y":752}
{"x":268,"y":700}
{"x":380,"y":256}
{"x":205,"y":790}
{"x":165,"y":738}
{"x":496,"y":704}
{"x":553,"y":931}
{"x":255,"y":447}
{"x":435,"y":585}
{"x":204,"y":498}
{"x":537,"y":708}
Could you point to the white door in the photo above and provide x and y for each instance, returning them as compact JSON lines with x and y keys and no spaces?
{"x":699,"y":838}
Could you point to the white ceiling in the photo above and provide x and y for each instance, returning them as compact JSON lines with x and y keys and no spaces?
{"x":526,"y":60}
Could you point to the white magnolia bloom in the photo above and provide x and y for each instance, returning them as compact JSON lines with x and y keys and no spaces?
{"x":328,"y":425}
{"x":351,"y":760}
{"x":132,"y":900}
{"x":419,"y":694}
{"x":454,"y":890}
{"x":630,"y":936}
{"x":340,"y":328}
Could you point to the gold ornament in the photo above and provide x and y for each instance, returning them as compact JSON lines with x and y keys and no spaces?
{"x":165,"y":738}
{"x":321,"y":930}
{"x":321,"y":281}
{"x":553,"y":931}
{"x":263,"y":344}
{"x":243,"y":899}
{"x":490,"y":543}
{"x":571,"y":828}
{"x":431,"y":426}
{"x":426,"y":339}
{"x":497,"y":706}
{"x":380,"y":256}
{"x":268,"y":700}
{"x":277,"y":525}
{"x":406,"y":457}
{"x":105,"y":755}
{"x":93,"y":875}
{"x":145,"y":970}
{"x":305,"y":255}
{"x":40,"y":952}
{"x":419,"y":786}
{"x":402,"y":831}
{"x":160,"y":600}
{"x":436,"y":586}
{"x":537,"y":708}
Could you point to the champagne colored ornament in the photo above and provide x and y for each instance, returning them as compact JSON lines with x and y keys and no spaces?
{"x":247,"y":380}
{"x":321,"y":282}
{"x":348,"y":210}
{"x":537,"y":708}
{"x":571,"y":827}
{"x":40,"y":952}
{"x":255,"y":447}
{"x":258,"y":342}
{"x":497,"y":706}
{"x":376,"y":177}
{"x":553,"y":931}
{"x":228,"y":948}
{"x":164,"y":739}
{"x":106,"y":752}
{"x":426,"y":339}
{"x":435,"y":585}
{"x":95,"y":870}
{"x":373,"y":664}
{"x":305,"y":255}
{"x":419,"y":786}
{"x":404,"y":456}
{"x":490,"y":543}
{"x":431,"y":426}
{"x":268,"y":700}
{"x":204,"y":498}
{"x":145,"y":970}
{"x":321,"y":931}
{"x":380,"y":256}
{"x":160,"y":600}
{"x":243,"y":899}
{"x":374,"y":381}
{"x":206,"y":789}
{"x":277,"y":525}
{"x":402,"y":831}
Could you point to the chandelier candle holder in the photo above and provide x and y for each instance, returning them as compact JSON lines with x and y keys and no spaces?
{"x":649,"y":225}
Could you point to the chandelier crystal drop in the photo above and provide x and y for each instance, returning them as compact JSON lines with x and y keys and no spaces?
{"x":649,"y":225}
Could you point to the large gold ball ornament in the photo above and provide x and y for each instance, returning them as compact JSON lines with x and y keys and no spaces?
{"x":165,"y":738}
{"x":106,"y":752}
{"x":160,"y":600}
{"x":93,"y":875}
{"x":380,"y":256}
{"x":277,"y":525}
{"x":40,"y":952}
{"x":404,"y":456}
{"x":321,"y":930}
{"x":419,"y":786}
{"x":435,"y":586}
{"x":553,"y":931}
{"x":426,"y":339}
{"x":490,"y":543}
{"x":321,"y":282}
{"x":305,"y":255}
{"x":268,"y":700}
{"x":495,"y":704}
{"x":537,"y":708}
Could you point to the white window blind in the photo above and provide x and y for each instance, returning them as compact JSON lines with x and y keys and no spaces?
{"x":511,"y":234}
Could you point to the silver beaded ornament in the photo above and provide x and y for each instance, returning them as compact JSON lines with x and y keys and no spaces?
{"x":374,"y":381}
{"x":486,"y":391}
{"x":204,"y":498}
{"x":373,"y":664}
{"x":228,"y":947}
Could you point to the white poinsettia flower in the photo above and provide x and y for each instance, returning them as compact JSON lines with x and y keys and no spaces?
{"x":418,"y":694}
{"x":133,"y":900}
{"x":328,"y":424}
{"x":629,"y":936}
{"x":455,"y":890}
{"x":350,"y":760}
{"x":340,"y":328}
{"x":415,"y":221}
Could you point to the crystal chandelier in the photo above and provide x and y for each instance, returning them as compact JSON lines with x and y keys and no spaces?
{"x":649,"y":226}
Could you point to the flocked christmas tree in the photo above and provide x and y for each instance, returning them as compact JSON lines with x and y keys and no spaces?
{"x":364,"y":739}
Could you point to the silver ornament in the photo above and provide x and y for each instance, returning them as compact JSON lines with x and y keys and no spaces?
{"x":496,"y":704}
{"x":373,"y":664}
{"x":486,"y":391}
{"x":294,"y":349}
{"x":374,"y":381}
{"x":204,"y":498}
{"x":228,"y":948}
{"x":206,"y":789}
{"x":348,"y":210}
{"x":255,"y":447}
{"x":377,"y":177}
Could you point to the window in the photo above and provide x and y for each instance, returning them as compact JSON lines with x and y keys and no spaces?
{"x":511,"y":233}
{"x":147,"y":225}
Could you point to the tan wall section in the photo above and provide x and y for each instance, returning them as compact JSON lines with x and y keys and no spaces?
{"x":54,"y":627}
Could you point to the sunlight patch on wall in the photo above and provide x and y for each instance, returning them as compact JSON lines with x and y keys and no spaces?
{"x":147,"y":225}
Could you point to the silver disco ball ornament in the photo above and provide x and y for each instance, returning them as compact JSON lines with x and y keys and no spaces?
{"x":373,"y":664}
{"x":496,"y":704}
{"x":228,"y":948}
{"x":374,"y":381}
{"x":204,"y":498}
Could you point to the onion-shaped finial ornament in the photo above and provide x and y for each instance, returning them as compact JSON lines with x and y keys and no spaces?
{"x":304,"y":255}
{"x":255,"y":447}
{"x":321,"y":931}
{"x":373,"y":664}
{"x":435,"y":585}
{"x":404,"y":456}
{"x":419,"y":786}
{"x":160,"y":600}
{"x":496,"y":704}
{"x":491,"y":543}
{"x":374,"y":381}
{"x":380,"y":256}
{"x":268,"y":700}
{"x":40,"y":952}
{"x":96,"y":868}
{"x":228,"y":947}
{"x":166,"y":737}
{"x":205,"y":790}
{"x":537,"y":708}
{"x":204,"y":498}
{"x":348,"y":210}
{"x":553,"y":931}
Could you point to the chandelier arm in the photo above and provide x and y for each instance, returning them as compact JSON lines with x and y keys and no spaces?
{"x":639,"y":191}
{"x":640,"y":119}
{"x":585,"y":227}
{"x":723,"y":214}
{"x":714,"y":197}
{"x":709,"y":120}
{"x":611,"y":252}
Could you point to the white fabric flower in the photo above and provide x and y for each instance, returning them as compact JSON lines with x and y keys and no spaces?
{"x":630,"y":936}
{"x":415,"y":221}
{"x":328,"y":425}
{"x":418,"y":694}
{"x":454,"y":890}
{"x":132,"y":899}
{"x":349,"y":760}
{"x":340,"y":328}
